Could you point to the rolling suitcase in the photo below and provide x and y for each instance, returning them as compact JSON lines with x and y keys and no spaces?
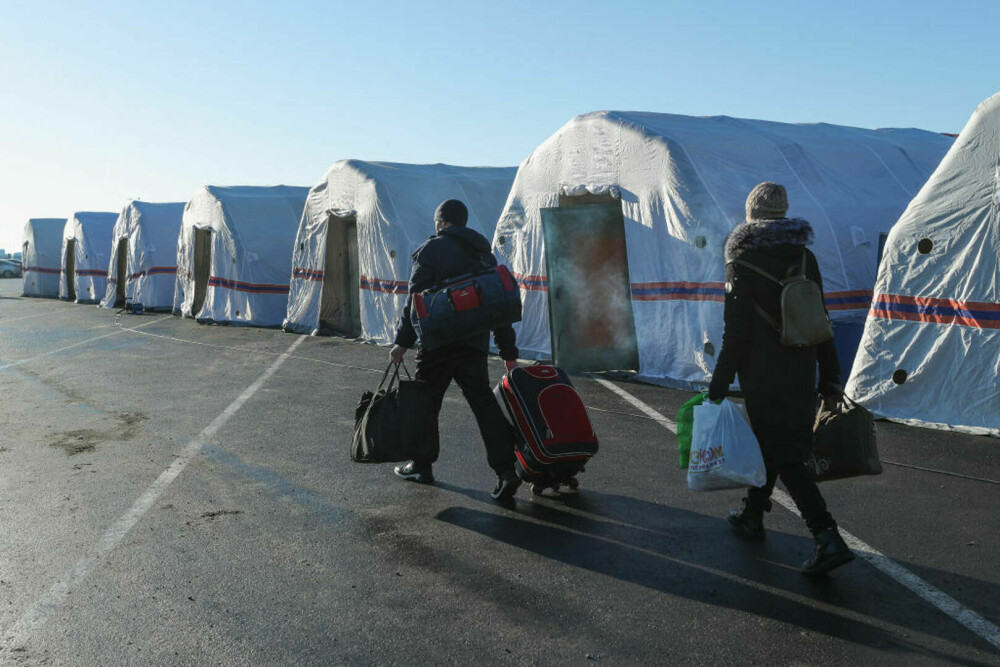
{"x":556,"y":438}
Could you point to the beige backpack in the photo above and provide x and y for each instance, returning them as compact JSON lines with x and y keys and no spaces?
{"x":804,"y":320}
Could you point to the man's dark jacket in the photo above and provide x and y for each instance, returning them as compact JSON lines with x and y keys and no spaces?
{"x":778,"y":382}
{"x":451,"y":253}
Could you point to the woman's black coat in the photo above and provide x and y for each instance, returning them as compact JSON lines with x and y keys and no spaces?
{"x":778,"y":382}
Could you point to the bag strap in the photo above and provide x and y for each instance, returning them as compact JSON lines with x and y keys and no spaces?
{"x":471,"y":252}
{"x":394,"y":378}
{"x":767,"y":317}
{"x":755,"y":269}
{"x":760,"y":311}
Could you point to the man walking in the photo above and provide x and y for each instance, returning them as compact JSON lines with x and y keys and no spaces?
{"x":456,"y":250}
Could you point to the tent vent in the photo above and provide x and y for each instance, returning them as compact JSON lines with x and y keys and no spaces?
{"x":392,"y":254}
{"x":899,"y":377}
{"x":709,"y":349}
{"x":501,"y":240}
{"x":924,"y":246}
{"x":700,"y":242}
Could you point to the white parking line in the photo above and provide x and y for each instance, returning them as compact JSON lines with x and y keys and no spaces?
{"x":5,"y":320}
{"x":650,"y":412}
{"x":39,"y":613}
{"x":923,"y":589}
{"x":70,"y":347}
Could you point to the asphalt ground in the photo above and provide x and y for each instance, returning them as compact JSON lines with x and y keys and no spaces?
{"x":172,"y":493}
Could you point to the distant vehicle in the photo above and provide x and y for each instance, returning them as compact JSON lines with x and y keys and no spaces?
{"x":10,"y":269}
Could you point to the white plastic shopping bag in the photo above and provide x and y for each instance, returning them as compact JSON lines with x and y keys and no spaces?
{"x":724,"y":450}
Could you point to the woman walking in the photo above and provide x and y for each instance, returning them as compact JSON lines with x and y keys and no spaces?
{"x":778,"y":381}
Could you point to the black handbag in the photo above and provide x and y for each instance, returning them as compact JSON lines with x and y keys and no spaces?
{"x":844,"y":443}
{"x":395,"y":422}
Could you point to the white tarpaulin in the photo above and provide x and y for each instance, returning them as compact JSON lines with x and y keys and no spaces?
{"x":242,"y":272}
{"x":40,"y":257}
{"x":930,"y":354}
{"x":89,"y":235}
{"x":149,"y":232}
{"x":391,"y":209}
{"x":682,"y":182}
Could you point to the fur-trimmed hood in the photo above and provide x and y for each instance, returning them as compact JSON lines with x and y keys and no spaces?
{"x":760,"y":234}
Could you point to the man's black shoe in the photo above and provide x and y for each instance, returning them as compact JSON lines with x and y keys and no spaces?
{"x":412,"y":472}
{"x":506,"y":487}
{"x":831,"y":552}
{"x":748,"y":522}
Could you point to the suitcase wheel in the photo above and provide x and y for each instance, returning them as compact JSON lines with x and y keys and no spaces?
{"x":537,"y":489}
{"x":573,"y":483}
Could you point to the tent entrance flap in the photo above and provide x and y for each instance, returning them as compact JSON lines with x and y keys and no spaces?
{"x":121,"y":263}
{"x":340,"y":305}
{"x":70,"y":264}
{"x":202,"y":267}
{"x":590,"y":304}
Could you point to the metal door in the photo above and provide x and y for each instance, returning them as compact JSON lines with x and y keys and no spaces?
{"x":202,"y":268}
{"x":71,"y":269}
{"x":590,"y":302}
{"x":121,"y":272}
{"x":340,"y":309}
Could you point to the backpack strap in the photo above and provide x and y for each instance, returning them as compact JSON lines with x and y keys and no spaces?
{"x":471,"y":251}
{"x":756,"y":269}
{"x":760,"y":311}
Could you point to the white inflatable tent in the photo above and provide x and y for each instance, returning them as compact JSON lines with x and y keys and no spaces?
{"x":234,"y":254}
{"x":143,"y":266}
{"x":86,"y":239}
{"x":930,"y":354}
{"x":40,"y":256}
{"x":361,"y":224}
{"x":638,"y":274}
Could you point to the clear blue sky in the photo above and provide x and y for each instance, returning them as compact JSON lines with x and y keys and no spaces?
{"x":105,"y":101}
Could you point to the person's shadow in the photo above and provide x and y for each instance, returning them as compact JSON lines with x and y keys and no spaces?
{"x":680,"y":553}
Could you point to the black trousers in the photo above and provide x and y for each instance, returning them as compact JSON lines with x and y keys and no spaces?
{"x":803,"y":490}
{"x":467,"y":367}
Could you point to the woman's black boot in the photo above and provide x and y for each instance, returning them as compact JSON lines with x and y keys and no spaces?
{"x":831,"y":552}
{"x":748,"y":522}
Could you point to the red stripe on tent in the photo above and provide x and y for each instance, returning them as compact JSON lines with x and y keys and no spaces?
{"x":92,"y":272}
{"x":976,"y":314}
{"x":385,"y":286}
{"x":985,"y":306}
{"x":39,"y":269}
{"x":307,"y":274}
{"x":531,"y":283}
{"x":253,"y":288}
{"x":680,"y":285}
{"x":679,"y":297}
{"x":848,"y":300}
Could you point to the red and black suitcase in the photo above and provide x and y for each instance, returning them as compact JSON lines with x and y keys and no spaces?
{"x":556,"y":437}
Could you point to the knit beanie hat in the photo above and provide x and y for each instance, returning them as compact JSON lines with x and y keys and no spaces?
{"x":452,"y":211}
{"x":767,"y":201}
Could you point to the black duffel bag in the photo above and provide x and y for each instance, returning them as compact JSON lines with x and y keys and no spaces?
{"x":395,"y":423}
{"x":466,"y":305}
{"x":844,"y":443}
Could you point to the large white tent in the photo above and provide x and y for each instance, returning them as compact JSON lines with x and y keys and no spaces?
{"x":678,"y":185}
{"x":930,"y":354}
{"x":86,"y":239}
{"x":40,"y":256}
{"x":361,"y":224}
{"x":143,"y":266}
{"x":234,"y":253}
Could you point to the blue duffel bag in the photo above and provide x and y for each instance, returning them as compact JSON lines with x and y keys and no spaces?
{"x":465,"y":306}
